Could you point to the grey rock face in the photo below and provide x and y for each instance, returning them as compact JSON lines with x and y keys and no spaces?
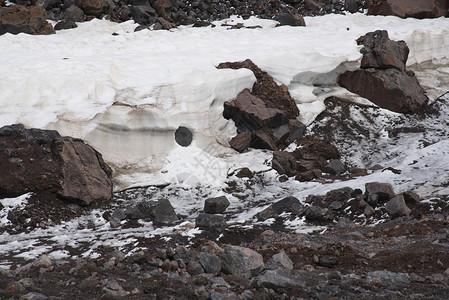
{"x":242,"y":262}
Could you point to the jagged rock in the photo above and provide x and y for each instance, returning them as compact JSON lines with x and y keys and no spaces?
{"x":17,"y":18}
{"x":64,"y":24}
{"x":383,"y":78}
{"x":353,"y":6}
{"x":411,"y":198}
{"x":284,"y":163}
{"x":296,"y":128}
{"x":314,"y":146}
{"x":143,"y":14}
{"x":279,"y":261}
{"x":216,"y":205}
{"x":316,"y":213}
{"x":241,"y":141}
{"x":408,"y":8}
{"x":210,"y":221}
{"x":396,"y":207}
{"x":161,"y":23}
{"x":75,"y":14}
{"x":335,"y":167}
{"x":288,"y":204}
{"x":43,"y":161}
{"x":289,"y":279}
{"x":380,"y":52}
{"x":305,"y":176}
{"x":265,"y":88}
{"x":250,"y":113}
{"x":244,"y":173}
{"x":93,"y":7}
{"x":290,"y":19}
{"x":160,"y":212}
{"x":241,"y":261}
{"x":162,"y":7}
{"x":384,"y":191}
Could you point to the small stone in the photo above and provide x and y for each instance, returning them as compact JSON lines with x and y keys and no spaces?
{"x":328,"y":261}
{"x":216,"y":205}
{"x":368,"y":211}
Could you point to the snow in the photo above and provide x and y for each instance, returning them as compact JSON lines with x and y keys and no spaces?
{"x":126,"y":94}
{"x":10,"y":204}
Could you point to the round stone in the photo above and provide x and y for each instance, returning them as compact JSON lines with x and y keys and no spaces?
{"x":183,"y":136}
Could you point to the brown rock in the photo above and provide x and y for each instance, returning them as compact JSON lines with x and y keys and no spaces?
{"x":250,"y":112}
{"x":162,"y":7}
{"x":265,"y":88}
{"x":284,"y":163}
{"x":93,"y":7}
{"x":383,"y":190}
{"x":264,"y":140}
{"x":313,"y":145}
{"x":241,"y":141}
{"x":17,"y":18}
{"x":289,"y":19}
{"x":165,"y":24}
{"x":408,"y":8}
{"x":34,"y":160}
{"x":390,"y":88}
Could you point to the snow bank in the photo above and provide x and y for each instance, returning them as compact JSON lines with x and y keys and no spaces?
{"x":126,"y":94}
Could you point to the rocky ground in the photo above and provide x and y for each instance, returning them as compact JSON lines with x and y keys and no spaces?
{"x":352,"y":239}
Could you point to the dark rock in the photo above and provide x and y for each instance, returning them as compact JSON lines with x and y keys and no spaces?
{"x":241,"y":141}
{"x":284,"y":163}
{"x":406,"y":8}
{"x":316,"y":213}
{"x":383,"y":277}
{"x":194,"y":268}
{"x":210,"y":263}
{"x":210,"y":221}
{"x":288,"y":204}
{"x":143,"y":14}
{"x":328,"y":261}
{"x":65,"y":24}
{"x":263,"y":139}
{"x":164,"y":24}
{"x":183,"y":136}
{"x":384,"y":191}
{"x":334,"y":167}
{"x":297,"y":129}
{"x":305,"y":176}
{"x":160,"y":212}
{"x":245,"y":173}
{"x":95,"y":8}
{"x":265,"y":88}
{"x":313,"y":145}
{"x":380,"y":52}
{"x":290,"y":19}
{"x":411,"y":198}
{"x":216,"y":205}
{"x":241,"y":261}
{"x":251,"y":113}
{"x":383,"y":78}
{"x":17,"y":18}
{"x":279,"y":261}
{"x":357,"y":172}
{"x":43,"y":161}
{"x":336,"y":205}
{"x":396,"y":207}
{"x":75,"y":14}
{"x":162,"y":7}
{"x":353,"y":6}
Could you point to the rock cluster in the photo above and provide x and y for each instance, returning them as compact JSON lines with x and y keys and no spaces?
{"x":265,"y":116}
{"x":382,"y":77}
{"x":41,"y":161}
{"x":32,"y":20}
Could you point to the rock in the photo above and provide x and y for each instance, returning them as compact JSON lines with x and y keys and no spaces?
{"x":368,"y":211}
{"x":183,"y":135}
{"x":242,"y":262}
{"x":288,"y":204}
{"x":284,"y":163}
{"x":222,"y":296}
{"x":194,"y":268}
{"x":288,"y":279}
{"x":241,"y":141}
{"x":162,"y":7}
{"x":290,"y":19}
{"x":328,"y":261}
{"x":380,"y":52}
{"x":334,"y":167}
{"x":279,"y":261}
{"x":396,"y":207}
{"x":250,"y":113}
{"x":245,"y":173}
{"x":43,"y":161}
{"x":297,"y":129}
{"x":160,"y":212}
{"x":408,"y":8}
{"x":143,"y":14}
{"x":65,"y":24}
{"x":353,"y":6}
{"x":387,"y":277}
{"x":216,"y":205}
{"x":161,"y":23}
{"x":411,"y":198}
{"x":75,"y":14}
{"x":210,"y":221}
{"x":383,"y":78}
{"x":17,"y":18}
{"x":384,"y":191}
{"x":265,"y":88}
{"x":316,"y":213}
{"x":210,"y":263}
{"x":314,"y":146}
{"x":95,"y":8}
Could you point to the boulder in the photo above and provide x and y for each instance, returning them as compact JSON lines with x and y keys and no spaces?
{"x":241,"y":141}
{"x":384,"y":191}
{"x":75,"y":14}
{"x":250,"y":113}
{"x":383,"y":78}
{"x":241,"y":261}
{"x":311,"y":145}
{"x":284,"y":163}
{"x":334,"y":167}
{"x":34,"y":160}
{"x":161,"y":212}
{"x":216,"y":205}
{"x":65,"y":24}
{"x":279,"y":261}
{"x":288,"y":204}
{"x":287,"y":279}
{"x":408,"y":8}
{"x":289,"y":19}
{"x":162,"y":7}
{"x":95,"y":8}
{"x":143,"y":14}
{"x":210,"y":262}
{"x":210,"y":221}
{"x":354,"y":6}
{"x":17,"y":18}
{"x":396,"y":207}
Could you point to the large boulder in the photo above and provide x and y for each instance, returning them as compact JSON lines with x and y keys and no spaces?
{"x":408,"y":8}
{"x":95,"y":8}
{"x":383,"y":78}
{"x":34,"y":160}
{"x":17,"y":18}
{"x":242,"y":262}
